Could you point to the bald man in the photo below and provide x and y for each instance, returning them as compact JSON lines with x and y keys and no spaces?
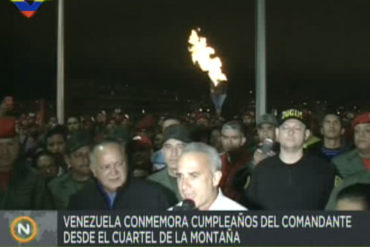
{"x":113,"y":188}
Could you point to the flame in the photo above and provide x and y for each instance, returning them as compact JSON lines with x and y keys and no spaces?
{"x":204,"y":56}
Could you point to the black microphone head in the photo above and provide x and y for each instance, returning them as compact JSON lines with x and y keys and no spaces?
{"x":187,"y":205}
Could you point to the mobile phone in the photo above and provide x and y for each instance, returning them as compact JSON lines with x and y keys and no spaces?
{"x":267,"y":146}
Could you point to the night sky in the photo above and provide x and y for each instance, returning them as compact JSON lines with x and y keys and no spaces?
{"x":315,"y":49}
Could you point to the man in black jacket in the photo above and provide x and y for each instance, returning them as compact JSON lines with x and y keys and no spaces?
{"x":293,"y":179}
{"x":113,"y":188}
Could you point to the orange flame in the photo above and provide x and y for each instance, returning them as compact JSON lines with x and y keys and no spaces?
{"x":204,"y":56}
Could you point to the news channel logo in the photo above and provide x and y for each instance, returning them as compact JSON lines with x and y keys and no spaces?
{"x":26,"y":8}
{"x":23,"y":229}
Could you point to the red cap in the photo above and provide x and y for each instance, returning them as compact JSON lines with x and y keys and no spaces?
{"x":143,"y":141}
{"x":7,"y":127}
{"x":363,"y":118}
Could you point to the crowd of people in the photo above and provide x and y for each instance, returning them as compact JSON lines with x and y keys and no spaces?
{"x":197,"y":161}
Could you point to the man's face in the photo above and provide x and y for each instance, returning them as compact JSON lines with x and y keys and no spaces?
{"x":56,"y":144}
{"x":202,"y":122}
{"x":196,"y":180}
{"x":52,"y":122}
{"x":247,"y":119}
{"x":79,"y":161}
{"x":141,"y":156}
{"x":362,"y":137}
{"x":292,"y":134}
{"x":265,"y":131}
{"x":73,"y":124}
{"x":9,"y":150}
{"x":232,"y":139}
{"x":331,"y":127}
{"x":110,"y":166}
{"x":172,"y":150}
{"x":47,"y":167}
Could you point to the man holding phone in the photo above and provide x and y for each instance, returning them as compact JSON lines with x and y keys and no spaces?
{"x":267,"y":146}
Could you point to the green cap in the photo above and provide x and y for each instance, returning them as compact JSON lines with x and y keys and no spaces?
{"x":78,"y":140}
{"x":120,"y":133}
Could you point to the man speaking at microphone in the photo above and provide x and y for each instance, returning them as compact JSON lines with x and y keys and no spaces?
{"x":198,"y":176}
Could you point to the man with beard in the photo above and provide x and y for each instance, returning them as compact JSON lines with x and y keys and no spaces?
{"x":79,"y":174}
{"x":233,"y":159}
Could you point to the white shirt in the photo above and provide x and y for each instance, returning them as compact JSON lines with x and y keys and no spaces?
{"x":222,"y":203}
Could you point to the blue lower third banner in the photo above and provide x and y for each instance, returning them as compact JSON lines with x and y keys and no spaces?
{"x":122,"y":228}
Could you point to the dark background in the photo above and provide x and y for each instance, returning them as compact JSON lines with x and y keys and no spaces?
{"x":316,"y":50}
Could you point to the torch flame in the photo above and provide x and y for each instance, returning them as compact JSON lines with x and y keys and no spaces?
{"x":202,"y":54}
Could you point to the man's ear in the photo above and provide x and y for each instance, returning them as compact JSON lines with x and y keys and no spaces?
{"x":244,"y":139}
{"x":93,"y":170}
{"x":307,"y":134}
{"x":342,"y":131}
{"x":277,"y":133}
{"x":321,"y":131}
{"x":216,"y":178}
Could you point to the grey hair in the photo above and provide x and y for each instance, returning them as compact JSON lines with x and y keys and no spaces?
{"x":209,"y":151}
{"x":92,"y":154}
{"x":234,"y":125}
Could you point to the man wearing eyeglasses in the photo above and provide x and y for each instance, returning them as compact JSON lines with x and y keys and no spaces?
{"x":292,"y":179}
{"x":113,"y":187}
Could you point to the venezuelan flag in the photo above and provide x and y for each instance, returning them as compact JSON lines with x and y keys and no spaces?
{"x":27,"y":9}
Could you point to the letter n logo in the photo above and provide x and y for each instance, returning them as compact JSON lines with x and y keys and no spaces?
{"x":23,"y":229}
{"x":27,"y":9}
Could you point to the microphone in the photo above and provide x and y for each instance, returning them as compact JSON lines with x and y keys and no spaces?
{"x":187,"y":205}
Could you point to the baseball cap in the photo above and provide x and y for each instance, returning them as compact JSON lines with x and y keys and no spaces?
{"x":292,"y":114}
{"x":141,"y":141}
{"x":7,"y":127}
{"x":78,"y":140}
{"x":120,"y":133}
{"x":178,"y":132}
{"x":362,"y":118}
{"x":266,"y":119}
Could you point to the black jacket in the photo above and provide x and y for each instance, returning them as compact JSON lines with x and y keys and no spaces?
{"x":135,"y":195}
{"x":305,"y":185}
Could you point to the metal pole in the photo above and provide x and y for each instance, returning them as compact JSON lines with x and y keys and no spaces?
{"x":260,"y":59}
{"x":60,"y":63}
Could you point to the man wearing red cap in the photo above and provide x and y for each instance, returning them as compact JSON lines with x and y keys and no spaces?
{"x":354,"y":166}
{"x":21,"y":187}
{"x":357,"y":160}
